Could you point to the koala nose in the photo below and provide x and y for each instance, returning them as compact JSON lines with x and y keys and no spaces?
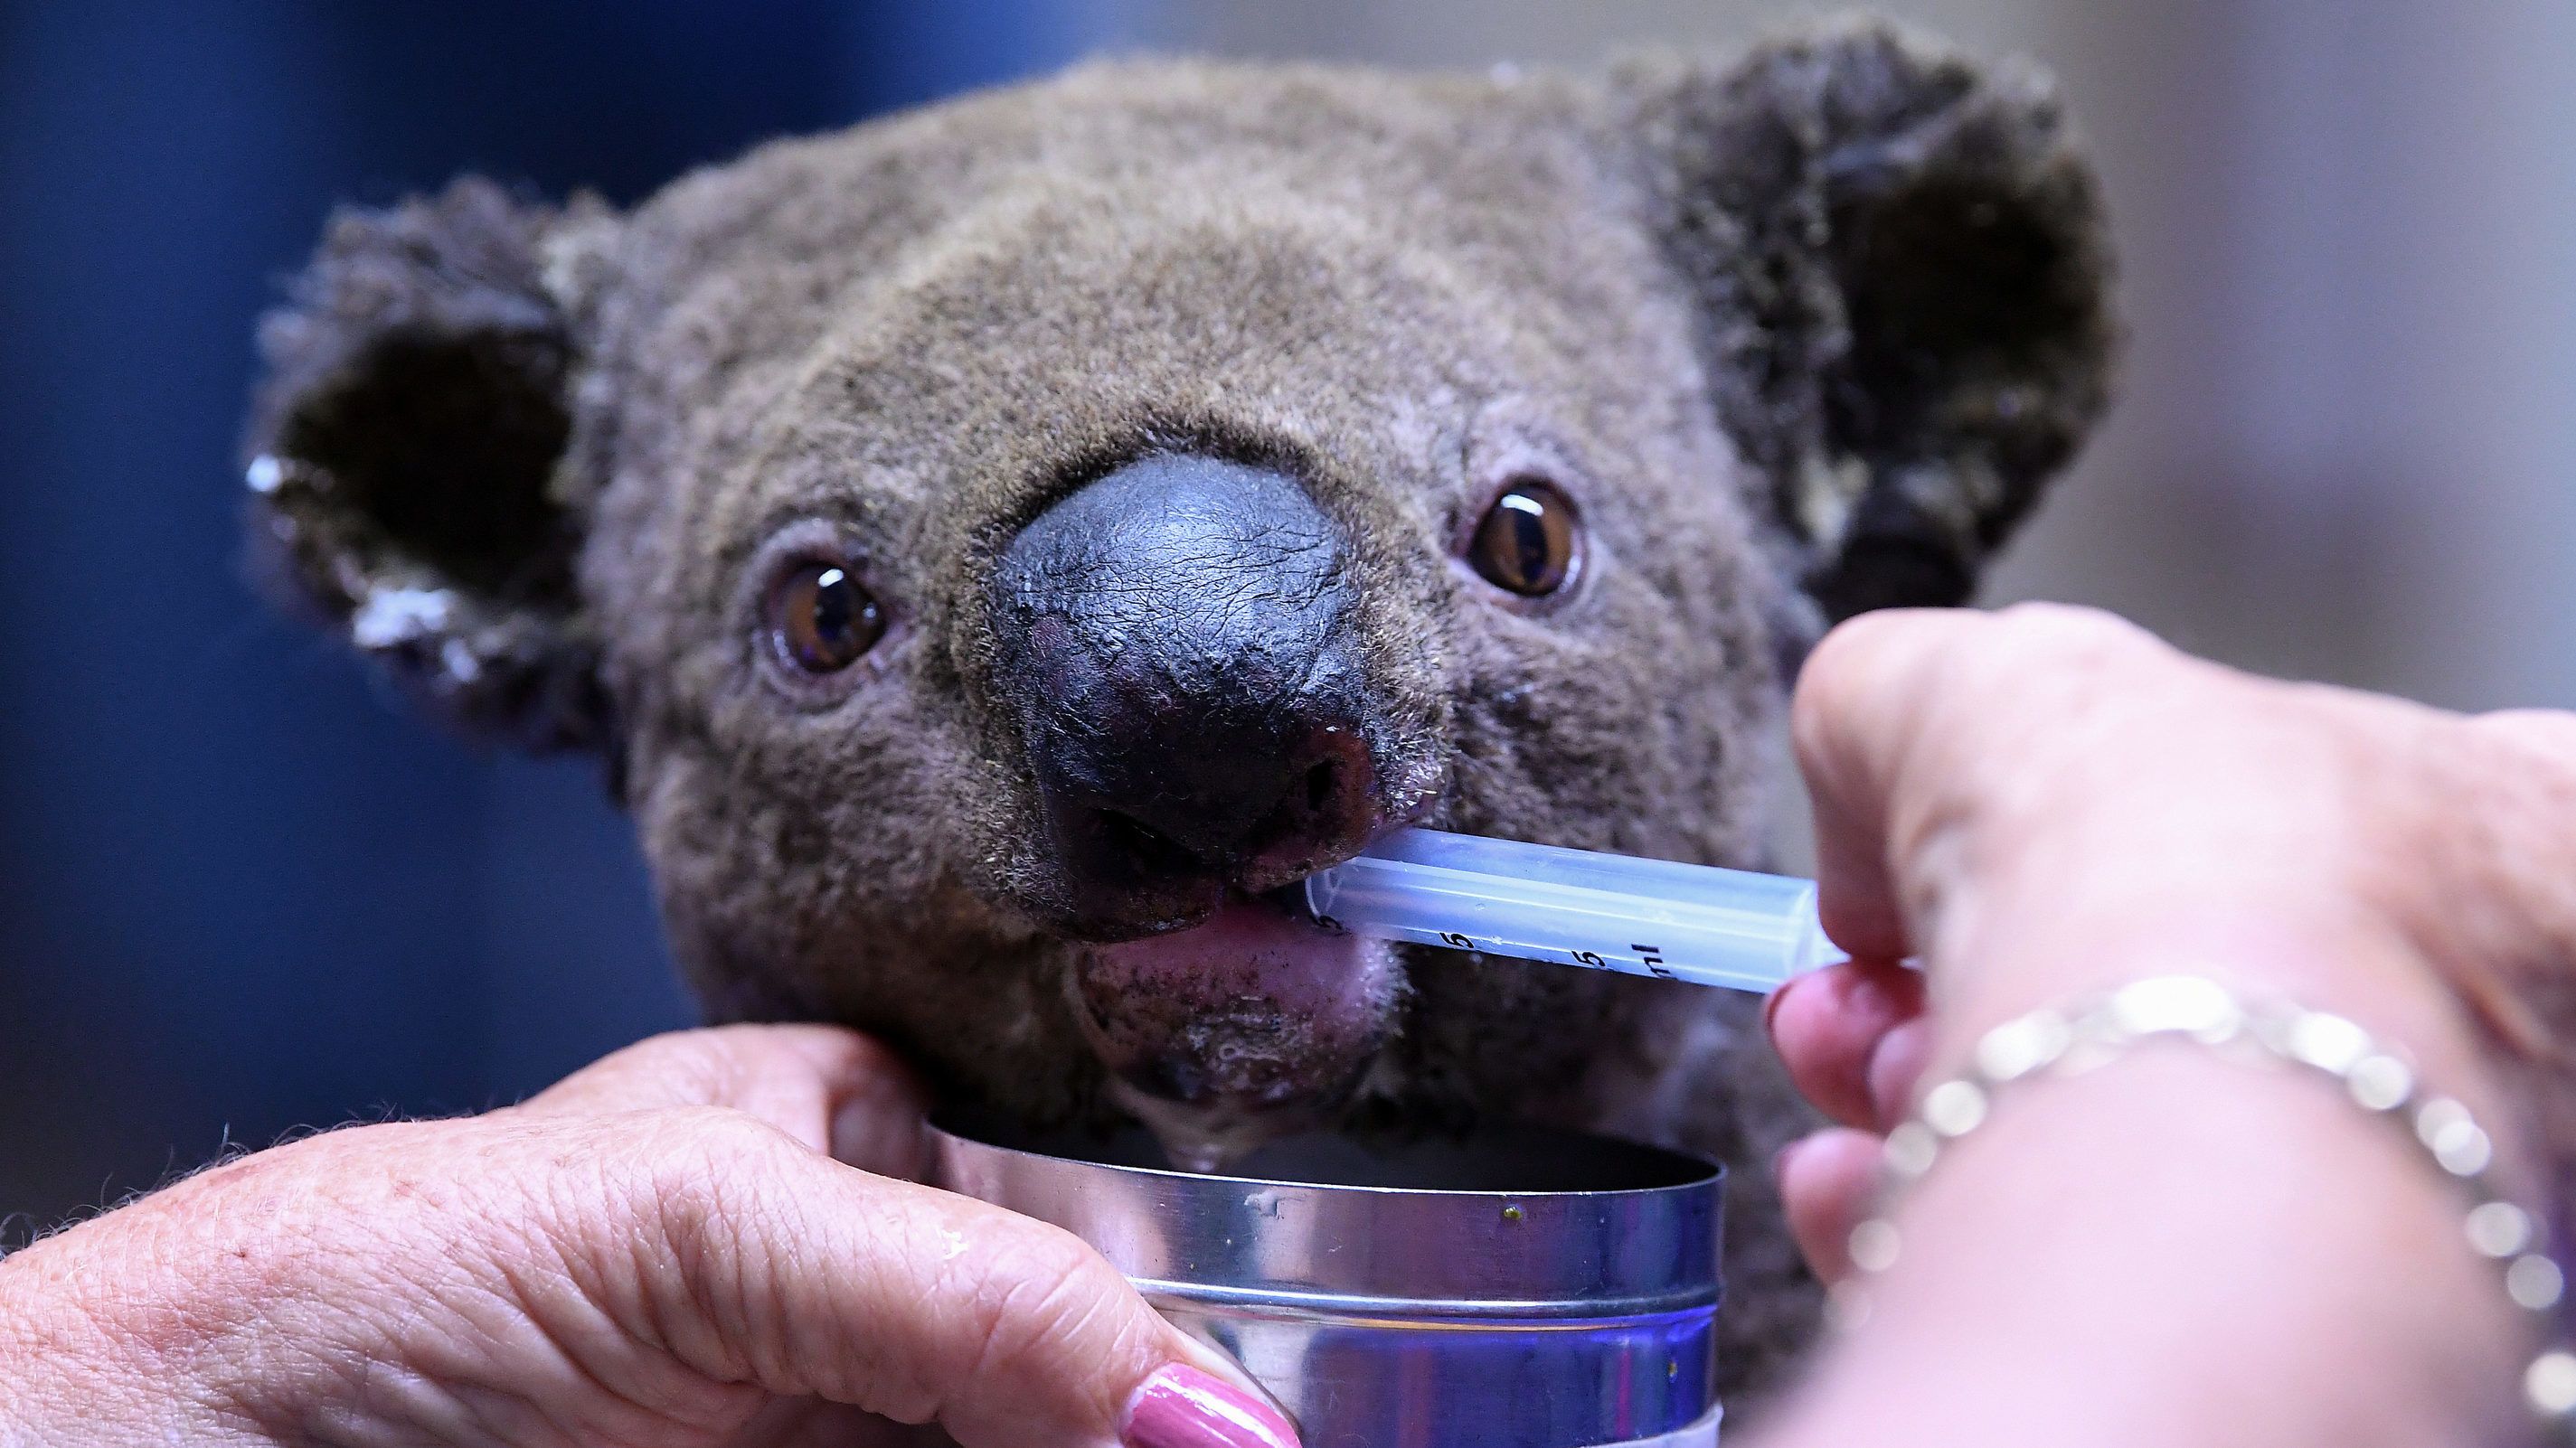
{"x":1176,"y":640}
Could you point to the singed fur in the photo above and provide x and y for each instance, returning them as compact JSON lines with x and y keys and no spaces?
{"x":1799,"y":334}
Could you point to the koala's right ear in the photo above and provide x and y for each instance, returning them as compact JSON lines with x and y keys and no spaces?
{"x":407,"y":457}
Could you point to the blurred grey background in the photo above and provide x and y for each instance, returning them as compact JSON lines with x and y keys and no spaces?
{"x":2345,"y":445}
{"x":240,"y":892}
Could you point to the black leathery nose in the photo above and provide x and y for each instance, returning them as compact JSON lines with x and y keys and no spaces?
{"x":1176,"y":640}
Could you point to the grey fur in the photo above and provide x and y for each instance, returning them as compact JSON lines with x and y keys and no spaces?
{"x":1751,"y":317}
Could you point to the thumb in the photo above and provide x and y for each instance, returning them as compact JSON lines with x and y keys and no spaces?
{"x":752,"y":1257}
{"x":832,"y":1089}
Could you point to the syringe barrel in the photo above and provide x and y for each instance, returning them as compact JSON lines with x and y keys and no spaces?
{"x":1643,"y":917}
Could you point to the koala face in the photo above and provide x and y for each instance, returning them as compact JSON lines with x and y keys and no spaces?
{"x":1220,"y":513}
{"x":1005,"y":547}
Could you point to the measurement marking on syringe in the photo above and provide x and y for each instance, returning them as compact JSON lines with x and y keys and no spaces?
{"x":1731,"y":928}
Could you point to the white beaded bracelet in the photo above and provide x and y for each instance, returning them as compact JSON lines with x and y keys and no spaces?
{"x":2196,"y":1008}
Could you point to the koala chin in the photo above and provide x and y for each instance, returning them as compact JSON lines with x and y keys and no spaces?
{"x":1001,"y":548}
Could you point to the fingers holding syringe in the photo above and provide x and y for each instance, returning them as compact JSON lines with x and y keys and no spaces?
{"x":1949,"y":752}
{"x":1827,"y":1181}
{"x":1856,"y":710}
{"x":1853,"y":1039}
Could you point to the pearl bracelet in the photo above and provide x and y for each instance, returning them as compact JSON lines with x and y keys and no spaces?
{"x":2196,"y":1008}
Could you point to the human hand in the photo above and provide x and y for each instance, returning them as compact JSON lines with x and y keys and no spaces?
{"x":2045,"y":802}
{"x":704,"y":1240}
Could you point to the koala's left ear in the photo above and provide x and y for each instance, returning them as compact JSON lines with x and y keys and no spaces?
{"x":408,"y":456}
{"x":1903,"y":276}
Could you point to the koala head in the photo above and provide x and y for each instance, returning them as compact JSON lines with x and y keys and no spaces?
{"x":1001,"y":547}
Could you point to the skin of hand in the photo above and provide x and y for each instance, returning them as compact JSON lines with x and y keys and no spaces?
{"x":2045,"y":802}
{"x":704,"y":1240}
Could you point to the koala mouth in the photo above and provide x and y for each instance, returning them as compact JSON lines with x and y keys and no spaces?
{"x":1252,"y":1025}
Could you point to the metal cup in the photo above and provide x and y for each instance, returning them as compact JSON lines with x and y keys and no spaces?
{"x":1520,"y":1289}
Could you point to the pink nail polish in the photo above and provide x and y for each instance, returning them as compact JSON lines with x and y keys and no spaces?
{"x":1182,"y":1407}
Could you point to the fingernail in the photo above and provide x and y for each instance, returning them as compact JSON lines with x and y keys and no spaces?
{"x":1866,"y":997}
{"x":1780,"y":1160}
{"x":1771,"y":1005}
{"x":1895,"y":1067}
{"x":881,"y":1136}
{"x":1184,"y":1407}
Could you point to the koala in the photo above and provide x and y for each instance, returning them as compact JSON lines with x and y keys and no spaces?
{"x":998,"y":549}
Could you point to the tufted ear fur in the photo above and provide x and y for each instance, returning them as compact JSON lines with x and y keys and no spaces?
{"x":1903,"y":276}
{"x":406,"y":458}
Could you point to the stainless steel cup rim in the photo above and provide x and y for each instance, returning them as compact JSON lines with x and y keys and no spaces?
{"x":1322,"y":1227}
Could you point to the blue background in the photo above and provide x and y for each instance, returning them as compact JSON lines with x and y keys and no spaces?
{"x":240,"y":889}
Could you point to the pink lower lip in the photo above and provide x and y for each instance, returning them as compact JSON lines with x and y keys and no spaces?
{"x":1249,"y":1025}
{"x":1252,"y":946}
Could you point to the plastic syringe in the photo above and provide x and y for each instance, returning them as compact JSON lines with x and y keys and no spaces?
{"x":1694,"y":923}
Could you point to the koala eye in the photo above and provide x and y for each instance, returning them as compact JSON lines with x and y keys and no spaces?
{"x":821,"y":620}
{"x":1525,"y":544}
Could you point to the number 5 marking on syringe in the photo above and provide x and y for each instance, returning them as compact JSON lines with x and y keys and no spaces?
{"x":1456,"y":941}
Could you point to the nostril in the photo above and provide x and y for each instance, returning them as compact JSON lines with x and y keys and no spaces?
{"x":1324,"y":813}
{"x":1319,"y":786}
